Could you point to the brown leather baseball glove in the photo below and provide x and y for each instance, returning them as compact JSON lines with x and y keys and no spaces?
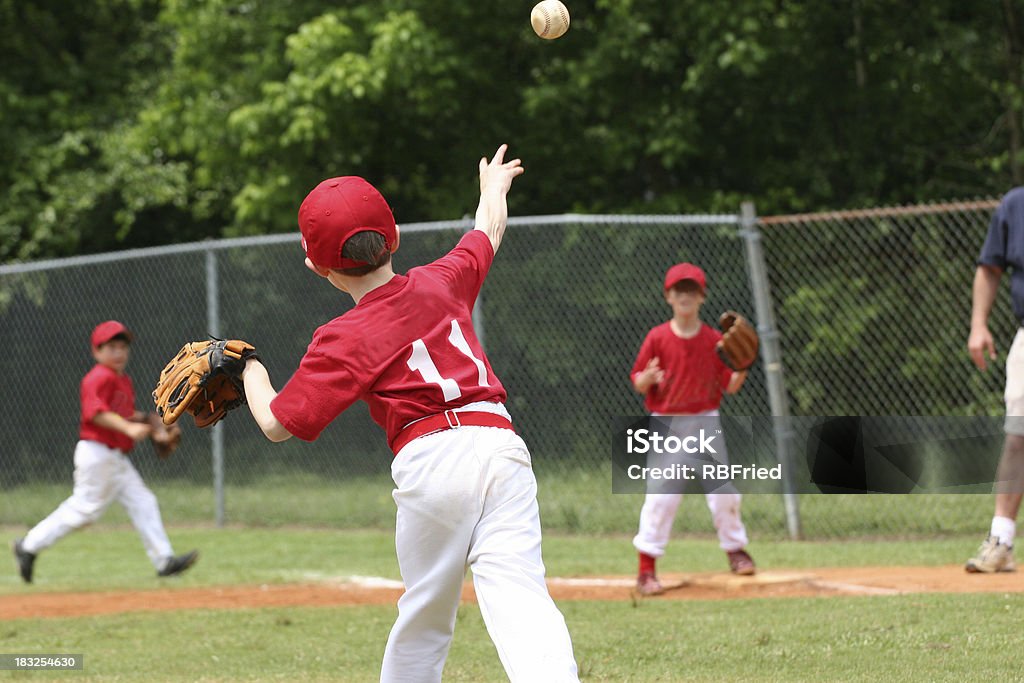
{"x":204,"y":379}
{"x":165,"y":438}
{"x":739,"y":343}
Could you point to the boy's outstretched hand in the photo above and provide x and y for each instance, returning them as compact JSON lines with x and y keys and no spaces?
{"x":651,"y":374}
{"x":495,"y":180}
{"x":498,"y":173}
{"x":137,"y":432}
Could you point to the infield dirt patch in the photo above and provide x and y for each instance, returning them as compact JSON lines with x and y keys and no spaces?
{"x":370,"y":590}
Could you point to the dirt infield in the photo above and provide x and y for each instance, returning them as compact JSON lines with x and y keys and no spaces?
{"x":355,"y":590}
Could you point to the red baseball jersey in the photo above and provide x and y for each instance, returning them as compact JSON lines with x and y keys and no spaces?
{"x":105,"y":391}
{"x":408,"y":349}
{"x":695,"y":376}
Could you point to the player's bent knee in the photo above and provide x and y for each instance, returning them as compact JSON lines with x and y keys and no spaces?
{"x":83,"y":517}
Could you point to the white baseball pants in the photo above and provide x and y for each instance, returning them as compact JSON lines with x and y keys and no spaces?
{"x":467,"y":497}
{"x":659,"y":512}
{"x":103,"y":475}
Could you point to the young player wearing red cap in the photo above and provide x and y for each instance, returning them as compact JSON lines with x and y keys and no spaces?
{"x":108,"y":430}
{"x":465,"y":489}
{"x":679,"y":373}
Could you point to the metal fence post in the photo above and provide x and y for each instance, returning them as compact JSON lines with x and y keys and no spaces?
{"x":771,"y":356}
{"x":217,"y":435}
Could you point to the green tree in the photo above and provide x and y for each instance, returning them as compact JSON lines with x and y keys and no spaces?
{"x":73,"y":76}
{"x":134,"y":122}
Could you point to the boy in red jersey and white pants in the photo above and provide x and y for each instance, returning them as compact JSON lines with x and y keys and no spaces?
{"x":109,"y":427}
{"x":465,"y":489}
{"x":679,"y":373}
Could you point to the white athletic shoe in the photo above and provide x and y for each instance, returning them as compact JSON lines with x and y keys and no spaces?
{"x":992,"y":557}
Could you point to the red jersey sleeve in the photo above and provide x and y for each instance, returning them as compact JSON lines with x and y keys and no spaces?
{"x":318,"y":392}
{"x":647,"y":352}
{"x":95,"y":396}
{"x":464,"y":268}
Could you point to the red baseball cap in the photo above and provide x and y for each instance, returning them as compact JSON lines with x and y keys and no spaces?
{"x":335,"y":210}
{"x":106,"y":331}
{"x":685,"y":271}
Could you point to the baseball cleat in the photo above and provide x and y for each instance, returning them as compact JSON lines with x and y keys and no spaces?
{"x":740,"y":562}
{"x":647,"y":584}
{"x":179,"y":563}
{"x":992,"y":557}
{"x":26,"y":560}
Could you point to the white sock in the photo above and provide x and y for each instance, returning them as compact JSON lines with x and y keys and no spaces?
{"x":1004,"y":529}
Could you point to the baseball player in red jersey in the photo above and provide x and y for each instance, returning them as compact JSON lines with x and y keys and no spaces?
{"x":465,"y":489}
{"x":679,"y":373}
{"x":108,"y":431}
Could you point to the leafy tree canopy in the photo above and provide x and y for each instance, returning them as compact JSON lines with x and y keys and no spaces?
{"x":138,"y":122}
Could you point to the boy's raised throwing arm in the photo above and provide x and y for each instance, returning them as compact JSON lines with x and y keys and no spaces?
{"x":495,"y":180}
{"x":259,"y":392}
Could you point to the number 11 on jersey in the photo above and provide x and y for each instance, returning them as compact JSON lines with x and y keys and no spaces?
{"x":421,"y":362}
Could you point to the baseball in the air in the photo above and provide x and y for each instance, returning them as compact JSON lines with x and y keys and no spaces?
{"x":550,"y":19}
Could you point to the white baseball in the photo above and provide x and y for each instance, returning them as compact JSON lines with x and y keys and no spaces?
{"x":550,"y":19}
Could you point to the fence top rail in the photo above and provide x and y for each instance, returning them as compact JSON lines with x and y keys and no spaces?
{"x":882,"y":212}
{"x":462,"y":224}
{"x":466,"y":222}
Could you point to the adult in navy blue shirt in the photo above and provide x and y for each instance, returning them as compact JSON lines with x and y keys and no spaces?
{"x":1003,"y":250}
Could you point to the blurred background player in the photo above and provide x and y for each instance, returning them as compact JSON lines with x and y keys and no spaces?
{"x":678,"y":371}
{"x":1003,"y":248}
{"x":464,"y":483}
{"x":108,"y":430}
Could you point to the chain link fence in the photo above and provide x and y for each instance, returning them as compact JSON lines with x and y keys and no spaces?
{"x":871,"y":310}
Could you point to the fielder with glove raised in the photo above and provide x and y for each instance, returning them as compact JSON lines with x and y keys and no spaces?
{"x":683,"y":368}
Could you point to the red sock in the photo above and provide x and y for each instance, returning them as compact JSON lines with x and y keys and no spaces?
{"x":646,"y":564}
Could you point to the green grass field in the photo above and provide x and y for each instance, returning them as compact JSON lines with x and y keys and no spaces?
{"x":900,"y":638}
{"x":938,"y":638}
{"x":572,"y":501}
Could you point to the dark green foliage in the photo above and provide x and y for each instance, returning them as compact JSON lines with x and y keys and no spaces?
{"x":138,"y":122}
